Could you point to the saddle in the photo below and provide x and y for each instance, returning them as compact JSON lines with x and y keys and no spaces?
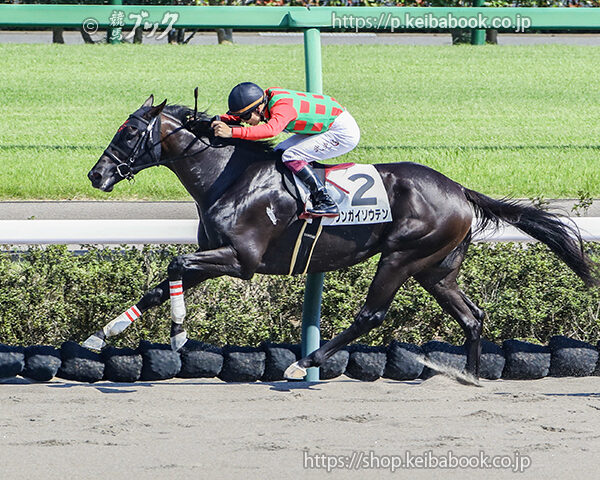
{"x":309,"y":231}
{"x":321,"y":170}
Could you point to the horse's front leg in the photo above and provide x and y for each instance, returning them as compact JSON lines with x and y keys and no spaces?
{"x":185,"y":271}
{"x":211,"y":263}
{"x":152,"y":298}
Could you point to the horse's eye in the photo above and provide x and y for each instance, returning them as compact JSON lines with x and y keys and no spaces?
{"x":130,"y":132}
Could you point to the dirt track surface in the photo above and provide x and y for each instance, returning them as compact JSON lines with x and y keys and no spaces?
{"x":208,"y":429}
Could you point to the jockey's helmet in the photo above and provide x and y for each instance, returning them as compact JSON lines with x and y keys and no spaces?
{"x":244,"y":99}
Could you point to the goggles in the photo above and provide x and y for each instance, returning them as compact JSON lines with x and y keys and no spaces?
{"x":246,"y":115}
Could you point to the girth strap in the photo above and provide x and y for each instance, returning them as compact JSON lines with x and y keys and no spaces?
{"x":305,"y":245}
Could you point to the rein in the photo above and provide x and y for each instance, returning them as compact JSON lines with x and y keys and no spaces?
{"x":145,"y":143}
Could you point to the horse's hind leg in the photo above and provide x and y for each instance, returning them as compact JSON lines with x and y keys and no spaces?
{"x":440,"y":281}
{"x":393,"y":270}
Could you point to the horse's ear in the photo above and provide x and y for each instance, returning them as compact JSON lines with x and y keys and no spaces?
{"x":154,"y":111}
{"x":149,"y":101}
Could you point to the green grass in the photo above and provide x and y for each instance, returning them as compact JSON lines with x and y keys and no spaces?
{"x":520,"y":121}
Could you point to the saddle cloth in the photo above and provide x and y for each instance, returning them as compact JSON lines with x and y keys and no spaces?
{"x":356,"y":188}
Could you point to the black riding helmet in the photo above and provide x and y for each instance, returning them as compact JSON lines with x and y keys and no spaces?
{"x":244,"y":99}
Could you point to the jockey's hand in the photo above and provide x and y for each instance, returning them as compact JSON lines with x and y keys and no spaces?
{"x":221,"y":129}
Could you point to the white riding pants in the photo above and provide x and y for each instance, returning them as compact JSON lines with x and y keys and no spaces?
{"x":342,"y":137}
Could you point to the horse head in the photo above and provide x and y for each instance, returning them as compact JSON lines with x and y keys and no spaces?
{"x":135,"y":146}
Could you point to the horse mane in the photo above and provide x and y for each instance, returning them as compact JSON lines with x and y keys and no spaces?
{"x":201,"y":128}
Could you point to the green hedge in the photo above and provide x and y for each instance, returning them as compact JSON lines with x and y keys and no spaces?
{"x":52,"y":295}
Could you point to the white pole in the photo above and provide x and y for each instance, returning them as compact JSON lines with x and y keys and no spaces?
{"x":80,"y":232}
{"x":589,"y":228}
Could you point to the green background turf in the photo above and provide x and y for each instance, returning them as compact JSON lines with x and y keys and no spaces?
{"x":521,"y":121}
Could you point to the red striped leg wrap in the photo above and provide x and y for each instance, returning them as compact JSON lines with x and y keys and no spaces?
{"x":122,"y":322}
{"x":133,"y":314}
{"x":177,"y":301}
{"x":176,"y":288}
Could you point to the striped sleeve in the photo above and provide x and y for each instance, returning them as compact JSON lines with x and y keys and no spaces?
{"x":229,"y":118}
{"x":282,"y":114}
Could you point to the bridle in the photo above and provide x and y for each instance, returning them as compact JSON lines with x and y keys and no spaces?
{"x":150,"y":143}
{"x":150,"y":130}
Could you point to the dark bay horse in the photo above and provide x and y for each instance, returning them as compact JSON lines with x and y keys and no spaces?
{"x":249,"y":224}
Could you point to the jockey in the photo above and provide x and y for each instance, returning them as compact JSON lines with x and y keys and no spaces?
{"x":323,"y":129}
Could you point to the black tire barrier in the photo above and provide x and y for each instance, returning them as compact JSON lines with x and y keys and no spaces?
{"x":200,"y":360}
{"x":492,"y":361}
{"x":278,"y":356}
{"x":242,"y":364}
{"x":572,"y":358}
{"x":41,"y":363}
{"x":122,"y":365}
{"x":12,"y":361}
{"x":335,"y":365}
{"x":398,"y":361}
{"x":159,"y":361}
{"x":366,"y":363}
{"x":403,"y":361}
{"x":80,"y":364}
{"x":445,"y":355}
{"x":525,"y":361}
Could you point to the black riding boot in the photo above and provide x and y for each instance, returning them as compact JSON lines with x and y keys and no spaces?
{"x":322,"y":204}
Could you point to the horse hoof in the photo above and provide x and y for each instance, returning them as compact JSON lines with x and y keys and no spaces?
{"x":94,"y":342}
{"x":467,"y":378}
{"x":295,"y":372}
{"x":178,"y":341}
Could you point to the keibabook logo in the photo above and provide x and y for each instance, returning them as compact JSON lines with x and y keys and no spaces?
{"x":387,"y":21}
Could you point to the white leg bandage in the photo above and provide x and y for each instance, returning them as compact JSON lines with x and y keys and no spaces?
{"x":121,"y":322}
{"x":177,"y":301}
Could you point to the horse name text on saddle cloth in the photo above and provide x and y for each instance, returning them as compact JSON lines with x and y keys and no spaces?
{"x":359,"y":193}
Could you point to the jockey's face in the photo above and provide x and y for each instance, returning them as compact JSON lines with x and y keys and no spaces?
{"x":256,"y":117}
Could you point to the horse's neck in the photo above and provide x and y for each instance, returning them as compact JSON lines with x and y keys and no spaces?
{"x":199,"y":174}
{"x":205,"y":172}
{"x":183,"y":153}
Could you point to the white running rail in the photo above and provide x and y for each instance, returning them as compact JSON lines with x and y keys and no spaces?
{"x":87,"y":232}
{"x":136,"y":232}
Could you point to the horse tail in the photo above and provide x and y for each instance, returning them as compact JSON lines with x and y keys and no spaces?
{"x":562,"y":238}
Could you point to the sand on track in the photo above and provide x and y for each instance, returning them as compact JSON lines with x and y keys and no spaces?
{"x":209,"y":429}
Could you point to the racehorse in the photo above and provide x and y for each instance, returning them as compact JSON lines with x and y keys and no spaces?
{"x":249,"y":223}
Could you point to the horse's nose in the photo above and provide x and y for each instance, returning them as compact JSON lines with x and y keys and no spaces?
{"x":95,"y":178}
